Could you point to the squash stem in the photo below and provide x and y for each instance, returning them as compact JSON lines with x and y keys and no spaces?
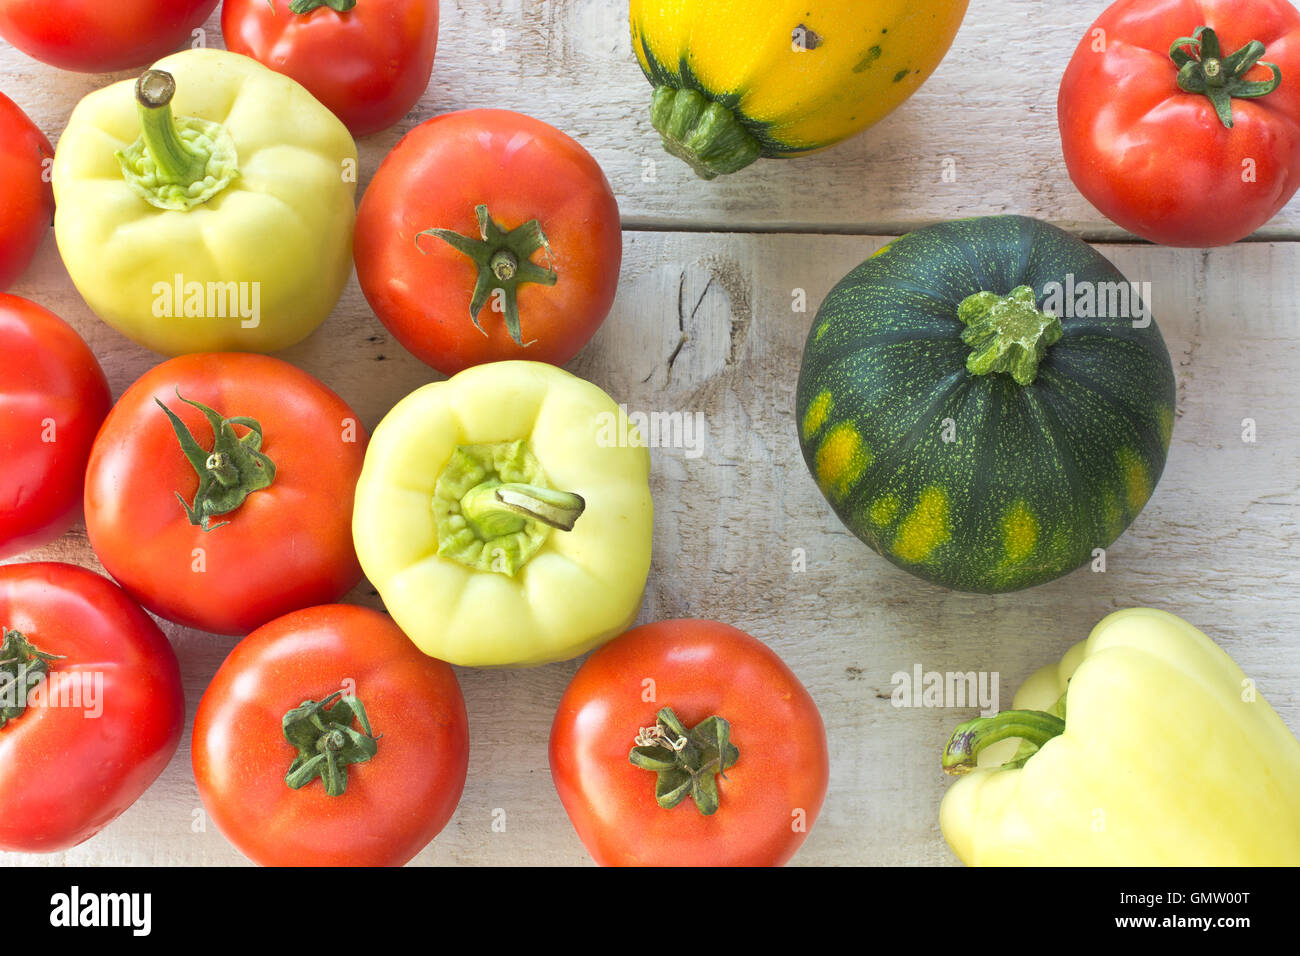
{"x":705,"y":134}
{"x":1007,"y":333}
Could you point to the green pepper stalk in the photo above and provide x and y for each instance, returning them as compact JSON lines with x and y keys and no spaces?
{"x":178,"y":162}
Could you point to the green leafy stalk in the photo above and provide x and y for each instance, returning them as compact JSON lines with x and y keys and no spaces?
{"x":1202,"y":68}
{"x":327,"y":742}
{"x":686,"y":762}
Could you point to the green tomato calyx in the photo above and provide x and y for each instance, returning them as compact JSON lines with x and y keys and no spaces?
{"x":327,"y":742}
{"x":178,"y":162}
{"x":233,"y":470}
{"x":686,"y":762}
{"x":1007,"y":333}
{"x":504,"y":261}
{"x":23,"y":666}
{"x":1202,"y":68}
{"x":307,"y":6}
{"x":703,"y":133}
{"x":493,"y":508}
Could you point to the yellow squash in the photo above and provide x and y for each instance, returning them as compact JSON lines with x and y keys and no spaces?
{"x":739,"y":79}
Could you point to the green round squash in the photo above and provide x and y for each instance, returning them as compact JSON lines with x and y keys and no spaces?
{"x":985,"y":402}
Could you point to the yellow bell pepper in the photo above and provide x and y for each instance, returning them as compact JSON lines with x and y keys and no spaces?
{"x":504,"y":516}
{"x":207,"y":206}
{"x":1160,"y":754}
{"x":738,"y":79}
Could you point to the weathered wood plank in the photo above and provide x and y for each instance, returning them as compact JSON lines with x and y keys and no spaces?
{"x":988,"y":114}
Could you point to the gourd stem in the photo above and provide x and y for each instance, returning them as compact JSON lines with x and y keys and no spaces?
{"x":1007,"y":333}
{"x":705,"y":134}
{"x":1202,"y":68}
{"x":1033,"y":726}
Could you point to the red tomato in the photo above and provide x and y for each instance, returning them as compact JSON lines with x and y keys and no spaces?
{"x":430,"y":293}
{"x":53,"y":398}
{"x":97,"y":37}
{"x":26,"y":197}
{"x":770,"y":796}
{"x":369,"y":62}
{"x":103,"y":721}
{"x":285,"y":546}
{"x":1159,"y":161}
{"x":391,"y":804}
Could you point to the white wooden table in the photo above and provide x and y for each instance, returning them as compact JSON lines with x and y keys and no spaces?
{"x":715,"y":265}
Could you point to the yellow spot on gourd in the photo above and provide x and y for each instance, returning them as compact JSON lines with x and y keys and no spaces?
{"x":925,"y":527}
{"x":882,"y":250}
{"x":815,"y":417}
{"x":884,"y":510}
{"x":841,"y":459}
{"x":1137,"y":488}
{"x":821,"y":330}
{"x":1165,"y":422}
{"x":1019,"y":532}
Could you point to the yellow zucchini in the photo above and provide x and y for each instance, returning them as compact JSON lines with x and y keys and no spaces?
{"x":738,"y":79}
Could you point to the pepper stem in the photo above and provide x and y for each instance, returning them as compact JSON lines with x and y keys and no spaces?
{"x":504,"y":261}
{"x":327,"y":742}
{"x":178,"y":162}
{"x":494,"y":509}
{"x":703,"y":133}
{"x":1007,"y":333}
{"x":1202,"y":68}
{"x":1035,"y":727}
{"x":687,"y":762}
{"x":233,"y":470}
{"x":22,"y":666}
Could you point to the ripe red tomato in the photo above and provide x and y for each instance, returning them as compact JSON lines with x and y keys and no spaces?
{"x":99,"y":726}
{"x":53,"y":398}
{"x":285,"y":545}
{"x":520,"y":210}
{"x":1159,"y":160}
{"x":770,"y":795}
{"x":391,"y":802}
{"x":26,"y":196}
{"x":368,"y":62}
{"x":96,"y":37}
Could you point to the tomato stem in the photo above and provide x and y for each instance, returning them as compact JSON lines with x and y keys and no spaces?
{"x":23,"y":666}
{"x":307,"y":6}
{"x":1202,"y":68}
{"x":233,"y":470}
{"x":177,"y":162}
{"x":702,"y":133}
{"x":504,"y":262}
{"x":327,"y":742}
{"x":686,"y":761}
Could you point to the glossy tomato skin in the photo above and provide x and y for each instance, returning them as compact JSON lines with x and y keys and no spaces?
{"x":96,"y":37}
{"x":394,"y":804}
{"x":1157,"y":160}
{"x":699,"y":669}
{"x":286,"y":547}
{"x":369,"y":66}
{"x":66,"y":772}
{"x":521,"y":169}
{"x":53,"y":398}
{"x":26,"y":196}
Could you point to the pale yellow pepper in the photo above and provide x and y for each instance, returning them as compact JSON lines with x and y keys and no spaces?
{"x":1162,"y":753}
